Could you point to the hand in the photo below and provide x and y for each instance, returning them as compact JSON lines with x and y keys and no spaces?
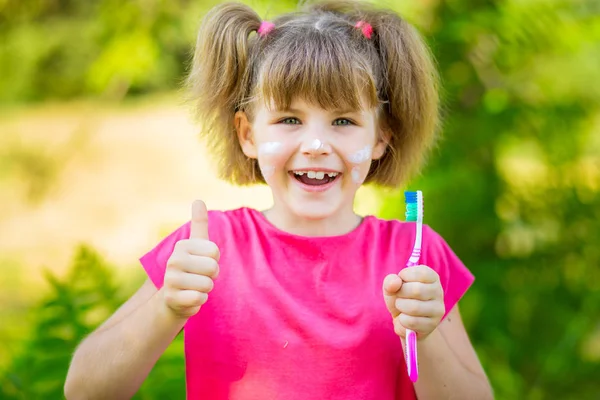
{"x":192,"y":267}
{"x":415,"y":299}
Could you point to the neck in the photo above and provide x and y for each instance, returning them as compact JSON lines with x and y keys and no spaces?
{"x":340,"y":223}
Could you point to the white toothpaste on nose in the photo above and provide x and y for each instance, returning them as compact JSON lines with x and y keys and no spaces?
{"x":316,"y":145}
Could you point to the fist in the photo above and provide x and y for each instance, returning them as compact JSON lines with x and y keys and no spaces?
{"x":192,"y":267}
{"x":415,"y":299}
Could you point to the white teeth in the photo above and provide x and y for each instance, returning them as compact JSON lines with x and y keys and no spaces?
{"x":316,"y":174}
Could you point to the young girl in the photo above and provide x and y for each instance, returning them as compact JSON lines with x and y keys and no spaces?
{"x":307,"y":299}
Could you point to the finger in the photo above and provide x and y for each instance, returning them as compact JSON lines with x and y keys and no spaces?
{"x":199,"y":221}
{"x":391,"y":285}
{"x":418,"y":308}
{"x":419,"y":273}
{"x":399,"y":329}
{"x":201,"y":265}
{"x":417,"y":324}
{"x":201,"y":247}
{"x":189,"y":298}
{"x":187,"y":281}
{"x":418,"y":291}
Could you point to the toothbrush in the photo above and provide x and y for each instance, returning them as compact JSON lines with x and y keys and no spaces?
{"x":414,"y":213}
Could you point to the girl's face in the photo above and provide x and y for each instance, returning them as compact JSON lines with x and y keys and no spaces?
{"x":313,"y":160}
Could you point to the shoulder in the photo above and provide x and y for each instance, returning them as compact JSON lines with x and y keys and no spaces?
{"x":236,"y":223}
{"x":406,"y":231}
{"x":401,"y":231}
{"x":220,"y":223}
{"x":238,"y":215}
{"x":385,"y":227}
{"x":398,"y":236}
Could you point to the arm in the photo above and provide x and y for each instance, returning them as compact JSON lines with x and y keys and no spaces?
{"x":448,"y":365}
{"x":114,"y":361}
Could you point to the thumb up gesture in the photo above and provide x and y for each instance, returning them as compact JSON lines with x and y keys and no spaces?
{"x":192,"y":267}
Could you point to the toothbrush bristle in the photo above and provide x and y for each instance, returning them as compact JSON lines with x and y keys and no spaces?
{"x":414,"y":206}
{"x":411,"y":197}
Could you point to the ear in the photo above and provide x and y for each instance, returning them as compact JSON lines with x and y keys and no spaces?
{"x":384,"y":137}
{"x":243,"y":127}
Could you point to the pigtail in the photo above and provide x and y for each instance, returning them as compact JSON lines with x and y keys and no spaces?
{"x":216,"y":81}
{"x":410,"y":89}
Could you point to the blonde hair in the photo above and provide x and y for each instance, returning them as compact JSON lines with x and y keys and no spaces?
{"x":319,"y":55}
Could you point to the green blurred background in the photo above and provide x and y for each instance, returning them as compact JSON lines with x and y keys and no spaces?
{"x":99,"y":159}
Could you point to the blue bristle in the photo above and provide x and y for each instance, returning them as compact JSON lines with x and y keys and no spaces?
{"x":411,"y":197}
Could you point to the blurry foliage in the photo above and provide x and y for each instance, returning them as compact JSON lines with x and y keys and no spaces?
{"x":60,"y":49}
{"x":75,"y":306}
{"x":513,"y":187}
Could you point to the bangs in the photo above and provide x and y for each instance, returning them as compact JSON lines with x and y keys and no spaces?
{"x":318,"y":69}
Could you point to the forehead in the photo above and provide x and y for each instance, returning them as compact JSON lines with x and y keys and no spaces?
{"x":325,"y":72}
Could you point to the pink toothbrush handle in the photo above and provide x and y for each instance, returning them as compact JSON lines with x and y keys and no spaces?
{"x":411,"y":337}
{"x":411,"y":355}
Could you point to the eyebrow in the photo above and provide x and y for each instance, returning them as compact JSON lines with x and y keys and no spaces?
{"x":296,"y":111}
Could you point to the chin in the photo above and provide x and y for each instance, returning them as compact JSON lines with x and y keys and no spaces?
{"x":313,"y":209}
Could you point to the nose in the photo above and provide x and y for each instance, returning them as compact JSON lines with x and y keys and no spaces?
{"x":314,"y":147}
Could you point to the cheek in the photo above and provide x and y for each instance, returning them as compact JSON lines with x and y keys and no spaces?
{"x":272,"y":156}
{"x":266,"y":170}
{"x":361,"y":155}
{"x":356,"y":175}
{"x":360,"y":161}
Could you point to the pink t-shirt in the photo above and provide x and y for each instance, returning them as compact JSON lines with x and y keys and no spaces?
{"x":295,"y":317}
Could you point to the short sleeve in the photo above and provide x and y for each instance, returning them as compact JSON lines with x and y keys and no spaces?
{"x":155,"y":261}
{"x":454,"y":275}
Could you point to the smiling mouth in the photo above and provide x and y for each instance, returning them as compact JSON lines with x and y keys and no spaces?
{"x":315,"y":178}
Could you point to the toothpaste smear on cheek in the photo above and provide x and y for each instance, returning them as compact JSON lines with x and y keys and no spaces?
{"x":269,"y":148}
{"x":359,"y":157}
{"x":265,"y":150}
{"x":355,"y":175}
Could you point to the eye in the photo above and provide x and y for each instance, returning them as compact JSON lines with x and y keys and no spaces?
{"x":342,"y":122}
{"x":290,"y":121}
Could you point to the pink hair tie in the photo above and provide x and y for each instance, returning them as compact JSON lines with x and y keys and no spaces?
{"x":365,"y":27}
{"x":265,"y":28}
